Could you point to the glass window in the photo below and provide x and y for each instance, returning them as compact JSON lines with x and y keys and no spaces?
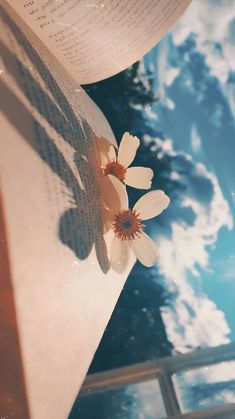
{"x":136,"y":401}
{"x":206,"y":387}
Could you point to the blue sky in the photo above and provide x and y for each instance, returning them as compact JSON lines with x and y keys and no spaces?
{"x":194,"y":69}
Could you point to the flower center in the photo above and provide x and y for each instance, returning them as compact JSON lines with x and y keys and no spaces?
{"x":116,"y":169}
{"x":127,"y":225}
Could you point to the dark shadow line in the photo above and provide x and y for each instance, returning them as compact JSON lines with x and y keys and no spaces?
{"x":79,"y":136}
{"x":43,"y":71}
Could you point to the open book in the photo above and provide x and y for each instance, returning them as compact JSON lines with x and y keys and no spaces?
{"x":57,"y":290}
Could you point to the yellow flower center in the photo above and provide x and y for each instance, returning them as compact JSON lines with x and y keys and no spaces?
{"x":127,"y":225}
{"x":116,"y":169}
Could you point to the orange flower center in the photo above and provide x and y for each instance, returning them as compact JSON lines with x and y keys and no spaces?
{"x":116,"y":169}
{"x":127,"y":225}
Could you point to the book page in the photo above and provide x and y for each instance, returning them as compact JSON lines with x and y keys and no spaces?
{"x":62,"y":288}
{"x":95,"y":39}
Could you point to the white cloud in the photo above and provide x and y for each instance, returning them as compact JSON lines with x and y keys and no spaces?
{"x":223,"y":371}
{"x":217,"y":115}
{"x":174,"y":175}
{"x":213,"y":23}
{"x":192,"y":319}
{"x":136,"y":106}
{"x":225,"y":269}
{"x":186,"y":385}
{"x":147,"y":400}
{"x":195,"y":140}
{"x":169,"y":103}
{"x":166,"y":74}
{"x":150,"y":113}
{"x":215,"y":39}
{"x":171,"y":74}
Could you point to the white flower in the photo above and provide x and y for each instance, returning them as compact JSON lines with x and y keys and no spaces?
{"x":127,"y":226}
{"x":117,"y":164}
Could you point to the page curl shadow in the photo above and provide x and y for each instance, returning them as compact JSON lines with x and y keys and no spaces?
{"x":75,"y":229}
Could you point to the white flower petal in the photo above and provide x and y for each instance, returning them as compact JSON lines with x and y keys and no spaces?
{"x":103,"y":159}
{"x":113,"y":193}
{"x":151,"y":204}
{"x":139,"y":177}
{"x":108,"y":218}
{"x":112,"y":154}
{"x":106,"y":150}
{"x":145,"y":249}
{"x":119,"y":254}
{"x":127,"y":149}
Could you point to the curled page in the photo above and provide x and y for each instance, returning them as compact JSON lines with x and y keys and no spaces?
{"x":96,"y":39}
{"x":61,"y":285}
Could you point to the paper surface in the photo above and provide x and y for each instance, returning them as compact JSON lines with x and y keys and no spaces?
{"x":63,"y":291}
{"x":96,"y":39}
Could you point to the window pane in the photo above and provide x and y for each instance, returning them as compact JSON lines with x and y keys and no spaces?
{"x":136,"y":401}
{"x":206,"y":387}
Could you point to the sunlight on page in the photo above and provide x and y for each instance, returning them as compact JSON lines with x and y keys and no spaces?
{"x":94,"y":40}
